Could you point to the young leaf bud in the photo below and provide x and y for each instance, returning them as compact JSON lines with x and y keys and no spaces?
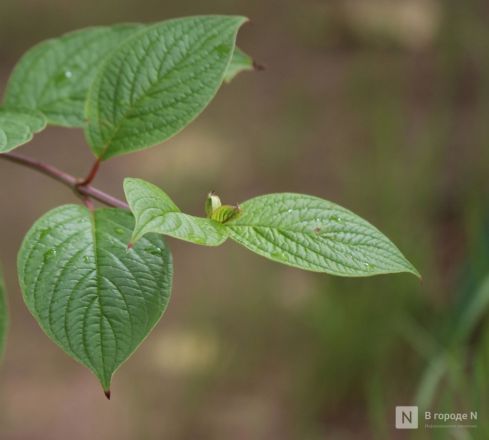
{"x":226,"y":213}
{"x":212,"y":203}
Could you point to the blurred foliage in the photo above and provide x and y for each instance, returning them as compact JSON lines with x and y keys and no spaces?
{"x":379,"y":105}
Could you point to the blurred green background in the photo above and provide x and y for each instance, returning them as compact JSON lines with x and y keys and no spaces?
{"x":379,"y":105}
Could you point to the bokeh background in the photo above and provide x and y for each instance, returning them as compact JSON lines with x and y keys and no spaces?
{"x":379,"y":105}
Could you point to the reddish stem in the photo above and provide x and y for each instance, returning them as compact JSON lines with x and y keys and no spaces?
{"x":86,"y":191}
{"x":88,"y":203}
{"x":91,"y":175}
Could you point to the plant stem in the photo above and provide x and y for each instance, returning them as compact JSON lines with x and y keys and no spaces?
{"x":84,"y":190}
{"x":91,"y":175}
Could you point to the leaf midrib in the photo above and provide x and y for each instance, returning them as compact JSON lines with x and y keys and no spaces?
{"x":284,"y":231}
{"x":93,"y":229}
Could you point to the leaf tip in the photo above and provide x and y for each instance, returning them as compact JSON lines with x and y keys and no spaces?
{"x":107,"y":394}
{"x":415,"y":272}
{"x":244,"y":19}
{"x":412,"y":269}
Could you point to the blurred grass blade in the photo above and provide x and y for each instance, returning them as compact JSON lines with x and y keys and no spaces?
{"x":442,"y":362}
{"x":430,"y":381}
{"x":4,"y":320}
{"x":473,"y":313}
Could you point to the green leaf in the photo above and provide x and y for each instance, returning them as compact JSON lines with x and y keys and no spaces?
{"x":54,"y":76}
{"x":298,"y":230}
{"x":3,"y":317}
{"x":314,"y":234}
{"x":155,"y":212}
{"x":17,"y":127}
{"x":240,"y":62}
{"x":91,"y":295}
{"x":157,"y":82}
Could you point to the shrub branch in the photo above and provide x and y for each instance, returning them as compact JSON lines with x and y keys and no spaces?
{"x":79,"y":187}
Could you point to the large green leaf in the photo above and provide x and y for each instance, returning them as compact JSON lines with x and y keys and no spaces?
{"x":3,"y":317}
{"x":53,"y":77}
{"x":91,"y":295}
{"x":240,"y":62}
{"x":317,"y":235}
{"x":157,"y":82}
{"x":17,"y":127}
{"x":155,"y":212}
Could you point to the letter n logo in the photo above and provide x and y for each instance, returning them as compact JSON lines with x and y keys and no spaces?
{"x":406,"y":417}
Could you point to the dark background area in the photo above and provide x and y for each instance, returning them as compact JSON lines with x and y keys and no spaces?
{"x":381,"y":106}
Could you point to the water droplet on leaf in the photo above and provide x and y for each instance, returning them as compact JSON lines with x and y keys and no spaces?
{"x":64,"y":76}
{"x":195,"y":239}
{"x":278,"y":255}
{"x":153,"y":251}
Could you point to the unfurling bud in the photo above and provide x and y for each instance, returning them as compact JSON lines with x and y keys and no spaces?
{"x":226,"y":213}
{"x":218,"y":212}
{"x":212,"y":203}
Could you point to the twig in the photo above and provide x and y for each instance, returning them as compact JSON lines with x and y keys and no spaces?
{"x":91,"y":175}
{"x":67,"y":179}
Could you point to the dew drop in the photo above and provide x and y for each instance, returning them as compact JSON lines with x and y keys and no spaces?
{"x":153,"y":251}
{"x":196,"y":239}
{"x":63,"y":76}
{"x":369,"y":266}
{"x":278,"y":256}
{"x":86,"y":259}
{"x":119,"y":231}
{"x":289,"y":210}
